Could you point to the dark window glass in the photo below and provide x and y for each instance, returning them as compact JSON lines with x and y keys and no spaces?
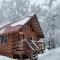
{"x":30,"y":38}
{"x":0,"y":38}
{"x":3,"y":39}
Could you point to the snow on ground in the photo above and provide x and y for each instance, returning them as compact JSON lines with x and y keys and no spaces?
{"x":5,"y":58}
{"x":53,"y":54}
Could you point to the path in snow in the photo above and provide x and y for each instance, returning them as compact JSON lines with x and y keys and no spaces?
{"x":53,"y":54}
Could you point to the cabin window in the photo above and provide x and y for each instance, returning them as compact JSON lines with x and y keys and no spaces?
{"x":31,"y":28}
{"x":22,"y":36}
{"x":30,"y":38}
{"x":3,"y":39}
{"x":16,"y":36}
{"x":0,"y":39}
{"x":27,"y":25}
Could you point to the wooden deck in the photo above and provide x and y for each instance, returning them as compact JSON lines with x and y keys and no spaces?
{"x":35,"y":48}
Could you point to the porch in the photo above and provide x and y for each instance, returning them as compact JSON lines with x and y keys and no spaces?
{"x":28,"y":48}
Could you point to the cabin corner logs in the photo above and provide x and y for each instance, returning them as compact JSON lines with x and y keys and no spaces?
{"x":22,"y":38}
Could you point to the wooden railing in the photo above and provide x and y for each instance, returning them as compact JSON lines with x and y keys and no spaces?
{"x":32,"y":45}
{"x":40,"y":44}
{"x":29,"y":44}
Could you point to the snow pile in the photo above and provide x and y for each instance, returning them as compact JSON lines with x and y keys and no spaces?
{"x":57,"y":50}
{"x":5,"y":58}
{"x":27,"y":59}
{"x":21,"y":22}
{"x":53,"y":54}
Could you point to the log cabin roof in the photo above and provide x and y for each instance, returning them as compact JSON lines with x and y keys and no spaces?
{"x":15,"y":26}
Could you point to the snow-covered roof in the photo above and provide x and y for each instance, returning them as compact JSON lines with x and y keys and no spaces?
{"x":15,"y":26}
{"x":21,"y":22}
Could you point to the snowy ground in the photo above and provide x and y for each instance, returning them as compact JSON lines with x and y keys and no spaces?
{"x":53,"y":54}
{"x":5,"y":58}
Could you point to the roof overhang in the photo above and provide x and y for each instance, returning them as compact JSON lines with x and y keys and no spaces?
{"x":12,"y":28}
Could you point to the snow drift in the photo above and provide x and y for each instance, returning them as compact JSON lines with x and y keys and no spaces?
{"x":5,"y":58}
{"x":53,"y":54}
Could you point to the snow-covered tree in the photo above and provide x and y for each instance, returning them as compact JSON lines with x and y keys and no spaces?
{"x":14,"y":9}
{"x":36,"y":9}
{"x":50,"y":21}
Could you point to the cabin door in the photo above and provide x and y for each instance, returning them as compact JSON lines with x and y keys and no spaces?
{"x":21,"y":34}
{"x":29,"y":38}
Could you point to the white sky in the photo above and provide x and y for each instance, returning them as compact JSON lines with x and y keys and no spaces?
{"x":38,"y":1}
{"x":0,"y":3}
{"x":33,"y":1}
{"x":42,"y":1}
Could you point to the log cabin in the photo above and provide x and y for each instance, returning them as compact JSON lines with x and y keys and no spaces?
{"x":21,"y":38}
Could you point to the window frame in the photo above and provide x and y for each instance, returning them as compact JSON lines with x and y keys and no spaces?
{"x":4,"y":40}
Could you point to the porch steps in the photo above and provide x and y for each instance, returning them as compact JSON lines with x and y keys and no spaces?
{"x":32,"y":45}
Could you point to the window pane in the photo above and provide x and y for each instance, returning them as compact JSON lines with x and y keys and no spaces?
{"x":5,"y":38}
{"x":2,"y":39}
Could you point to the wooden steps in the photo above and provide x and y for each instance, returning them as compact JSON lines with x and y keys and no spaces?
{"x":32,"y":45}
